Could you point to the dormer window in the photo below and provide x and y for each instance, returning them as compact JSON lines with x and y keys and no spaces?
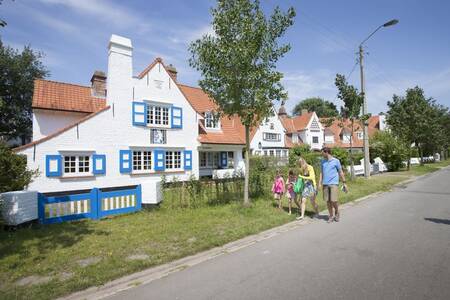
{"x":212,"y":120}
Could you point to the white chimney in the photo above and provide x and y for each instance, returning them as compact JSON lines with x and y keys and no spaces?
{"x":120,"y":71}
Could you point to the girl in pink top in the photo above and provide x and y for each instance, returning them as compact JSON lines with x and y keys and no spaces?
{"x":278,"y":188}
{"x":292,"y":179}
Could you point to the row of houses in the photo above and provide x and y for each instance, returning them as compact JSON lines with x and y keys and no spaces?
{"x":126,"y":130}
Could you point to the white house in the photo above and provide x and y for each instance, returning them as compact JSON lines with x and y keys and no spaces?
{"x":303,"y":129}
{"x":125,"y":130}
{"x":269,"y":139}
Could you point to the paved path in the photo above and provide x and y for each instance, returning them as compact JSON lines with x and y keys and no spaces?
{"x":394,"y":246}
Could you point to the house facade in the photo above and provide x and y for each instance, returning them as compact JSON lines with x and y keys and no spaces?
{"x":269,"y":139}
{"x":125,"y":130}
{"x":303,"y":129}
{"x":339,"y":133}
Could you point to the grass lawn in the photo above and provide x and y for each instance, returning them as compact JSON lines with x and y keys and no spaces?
{"x":73,"y":256}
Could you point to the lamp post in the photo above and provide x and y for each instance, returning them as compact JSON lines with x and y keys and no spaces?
{"x":363,"y":93}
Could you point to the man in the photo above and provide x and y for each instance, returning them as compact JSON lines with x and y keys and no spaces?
{"x":329,"y":179}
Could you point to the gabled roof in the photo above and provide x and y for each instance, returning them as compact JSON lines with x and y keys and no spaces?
{"x":338,"y":127}
{"x":62,"y":96}
{"x":199,"y":100}
{"x":232,"y":131}
{"x":297,"y":123}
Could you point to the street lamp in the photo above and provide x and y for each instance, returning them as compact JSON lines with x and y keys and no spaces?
{"x":363,"y":93}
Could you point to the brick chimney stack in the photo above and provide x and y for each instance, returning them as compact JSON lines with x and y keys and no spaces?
{"x":172,"y":72}
{"x":98,"y":84}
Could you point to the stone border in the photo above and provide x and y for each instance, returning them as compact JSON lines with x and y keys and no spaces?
{"x":149,"y":275}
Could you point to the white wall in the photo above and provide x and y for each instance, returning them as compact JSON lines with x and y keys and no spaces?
{"x":308,"y":134}
{"x":265,"y":127}
{"x":329,"y":138}
{"x":46,"y":122}
{"x":112,"y":130}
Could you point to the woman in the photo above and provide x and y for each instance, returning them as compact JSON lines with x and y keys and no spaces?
{"x":310,"y":188}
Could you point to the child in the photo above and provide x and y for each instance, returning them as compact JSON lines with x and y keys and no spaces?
{"x":278,"y":188}
{"x":290,"y":189}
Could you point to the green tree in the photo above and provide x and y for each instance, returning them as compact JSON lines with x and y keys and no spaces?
{"x":2,"y":22}
{"x":353,"y":101}
{"x":18,"y":72}
{"x":238,"y":62}
{"x":14,"y":174}
{"x":412,"y":119}
{"x":323,"y":108}
{"x":390,"y":149}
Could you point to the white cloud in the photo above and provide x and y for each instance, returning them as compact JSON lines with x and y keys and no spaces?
{"x":301,"y":85}
{"x":106,"y":11}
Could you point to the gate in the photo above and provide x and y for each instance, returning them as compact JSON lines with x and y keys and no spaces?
{"x":92,"y":204}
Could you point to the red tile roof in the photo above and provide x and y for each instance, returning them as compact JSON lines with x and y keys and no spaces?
{"x":232,"y":131}
{"x":65,"y":97}
{"x":297,"y":123}
{"x":338,"y":126}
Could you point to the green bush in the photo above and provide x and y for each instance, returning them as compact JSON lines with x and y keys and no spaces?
{"x":14,"y":174}
{"x":341,"y":154}
{"x":297,"y":152}
{"x":391,"y":150}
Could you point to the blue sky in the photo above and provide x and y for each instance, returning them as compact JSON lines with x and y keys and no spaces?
{"x":74,"y":34}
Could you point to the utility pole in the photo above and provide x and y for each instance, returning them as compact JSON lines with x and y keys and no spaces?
{"x":364,"y":112}
{"x":363,"y":93}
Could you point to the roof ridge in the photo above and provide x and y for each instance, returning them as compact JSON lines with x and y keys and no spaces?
{"x":190,"y":86}
{"x":67,"y":83}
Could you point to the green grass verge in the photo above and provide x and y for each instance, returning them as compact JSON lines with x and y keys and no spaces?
{"x":163,"y":234}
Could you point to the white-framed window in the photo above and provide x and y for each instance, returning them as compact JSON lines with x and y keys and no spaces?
{"x":345,"y":138}
{"x":265,"y":152}
{"x":278,"y":153}
{"x":173,"y":160}
{"x":272,"y":126}
{"x":285,"y":153}
{"x":212,"y":120}
{"x":230,"y":160}
{"x":157,"y":115}
{"x":273,"y":137}
{"x":329,"y":138}
{"x":359,"y":135}
{"x":271,"y":153}
{"x":315,"y":139}
{"x":77,"y":164}
{"x":210,"y":159}
{"x":142,"y":160}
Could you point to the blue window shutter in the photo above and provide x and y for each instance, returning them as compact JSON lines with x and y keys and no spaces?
{"x":177,"y":117}
{"x":139,"y":113}
{"x":53,"y":165}
{"x":224,"y":159}
{"x":160,"y":160}
{"x":99,"y":164}
{"x":187,"y":159}
{"x":125,"y":161}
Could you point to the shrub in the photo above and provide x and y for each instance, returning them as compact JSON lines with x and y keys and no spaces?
{"x":341,"y":154}
{"x":14,"y":174}
{"x":297,"y":152}
{"x":390,"y":149}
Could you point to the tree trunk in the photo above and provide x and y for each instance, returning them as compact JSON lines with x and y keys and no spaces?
{"x":247,"y":165}
{"x":421,"y":155}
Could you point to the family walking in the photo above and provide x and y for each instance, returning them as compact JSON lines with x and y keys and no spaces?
{"x":303,"y":186}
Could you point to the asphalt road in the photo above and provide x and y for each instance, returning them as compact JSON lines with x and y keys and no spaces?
{"x":395,"y":246}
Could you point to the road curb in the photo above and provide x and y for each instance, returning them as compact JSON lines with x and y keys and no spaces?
{"x":151,"y":274}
